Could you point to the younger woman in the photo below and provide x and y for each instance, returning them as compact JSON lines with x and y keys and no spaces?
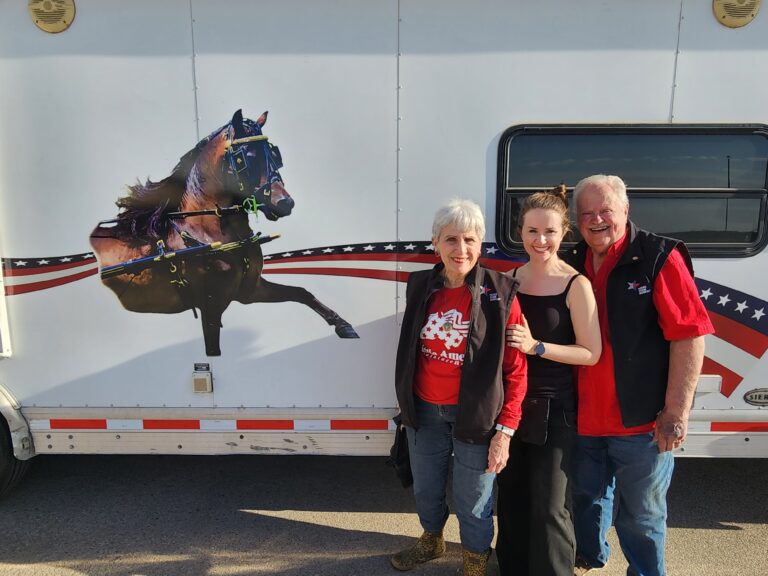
{"x":560,"y":329}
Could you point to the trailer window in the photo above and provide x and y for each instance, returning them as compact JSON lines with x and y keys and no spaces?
{"x":706,"y":185}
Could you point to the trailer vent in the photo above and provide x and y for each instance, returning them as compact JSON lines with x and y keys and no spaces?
{"x":735,"y":13}
{"x":202,"y":382}
{"x":52,"y":16}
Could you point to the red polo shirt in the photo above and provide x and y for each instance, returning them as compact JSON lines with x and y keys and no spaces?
{"x":681,"y":316}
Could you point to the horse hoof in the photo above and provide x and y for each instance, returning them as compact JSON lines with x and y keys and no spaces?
{"x":346,"y":331}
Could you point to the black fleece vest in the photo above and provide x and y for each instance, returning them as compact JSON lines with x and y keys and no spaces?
{"x":481,"y":392}
{"x":640,"y":352}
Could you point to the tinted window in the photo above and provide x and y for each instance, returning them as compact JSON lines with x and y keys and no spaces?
{"x":705,"y":185}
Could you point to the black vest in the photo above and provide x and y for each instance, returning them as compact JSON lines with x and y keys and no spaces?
{"x":640,"y":352}
{"x":481,"y":392}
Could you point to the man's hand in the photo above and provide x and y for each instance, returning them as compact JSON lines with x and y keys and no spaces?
{"x":670,"y":431}
{"x":498,"y":452}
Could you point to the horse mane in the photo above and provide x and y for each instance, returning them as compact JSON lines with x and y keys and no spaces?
{"x":142,"y":216}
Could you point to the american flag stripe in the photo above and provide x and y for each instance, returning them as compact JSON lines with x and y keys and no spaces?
{"x":33,"y":270}
{"x":730,"y":380}
{"x":24,"y":275}
{"x":741,"y":336}
{"x":390,"y":261}
{"x":741,"y":332}
{"x":12,"y":289}
{"x":392,"y":276}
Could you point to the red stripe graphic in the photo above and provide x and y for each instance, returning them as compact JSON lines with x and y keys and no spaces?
{"x":731,"y":380}
{"x":171,"y":424}
{"x":371,"y":257}
{"x":359,"y":424}
{"x":43,"y":269}
{"x":739,"y":426}
{"x":741,"y":336}
{"x":499,"y":265}
{"x":80,"y":424}
{"x":34,"y":286}
{"x":265,"y":424}
{"x":391,"y":275}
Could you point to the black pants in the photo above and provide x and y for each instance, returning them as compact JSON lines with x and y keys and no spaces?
{"x":535,"y":526}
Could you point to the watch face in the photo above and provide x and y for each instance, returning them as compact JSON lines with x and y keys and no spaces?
{"x":539,"y":349}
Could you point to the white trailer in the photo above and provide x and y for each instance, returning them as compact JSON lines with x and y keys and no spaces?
{"x":383,"y":110}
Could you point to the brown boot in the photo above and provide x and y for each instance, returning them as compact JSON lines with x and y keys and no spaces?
{"x":474,"y":563}
{"x":428,"y":547}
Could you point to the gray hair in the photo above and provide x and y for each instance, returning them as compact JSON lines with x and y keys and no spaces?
{"x":614,"y":182}
{"x":464,"y":214}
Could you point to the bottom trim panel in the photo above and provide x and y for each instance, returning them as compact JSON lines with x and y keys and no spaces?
{"x":346,"y":443}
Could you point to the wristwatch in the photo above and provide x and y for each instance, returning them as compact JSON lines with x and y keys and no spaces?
{"x":539,"y":348}
{"x":505,"y":430}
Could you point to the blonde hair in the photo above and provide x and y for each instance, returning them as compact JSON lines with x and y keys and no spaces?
{"x":554,"y":199}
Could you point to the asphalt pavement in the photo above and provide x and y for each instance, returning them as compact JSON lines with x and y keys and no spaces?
{"x":307,"y":516}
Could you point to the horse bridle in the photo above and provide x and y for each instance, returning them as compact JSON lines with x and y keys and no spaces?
{"x":238,"y":162}
{"x":237,"y":159}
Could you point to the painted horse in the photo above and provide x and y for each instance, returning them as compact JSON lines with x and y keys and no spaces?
{"x":185,"y":242}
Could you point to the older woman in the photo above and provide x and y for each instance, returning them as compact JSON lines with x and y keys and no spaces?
{"x":459,"y":387}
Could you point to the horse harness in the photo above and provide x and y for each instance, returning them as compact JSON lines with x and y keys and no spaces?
{"x":237,"y":160}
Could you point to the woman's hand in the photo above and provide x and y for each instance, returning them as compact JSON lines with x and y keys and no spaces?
{"x":519,"y":336}
{"x":498,"y":452}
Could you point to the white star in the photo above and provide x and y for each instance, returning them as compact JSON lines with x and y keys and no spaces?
{"x":43,"y":262}
{"x":368,"y":248}
{"x":429,"y":247}
{"x":287,"y":254}
{"x":409,"y":246}
{"x":758,"y":314}
{"x":65,"y":259}
{"x":267,"y":257}
{"x":741,"y":306}
{"x":327,"y":250}
{"x":389,"y":247}
{"x":307,"y":252}
{"x":706,"y":294}
{"x":20,"y":263}
{"x":491,"y":250}
{"x":347,"y":248}
{"x":723,"y":300}
{"x":89,"y":255}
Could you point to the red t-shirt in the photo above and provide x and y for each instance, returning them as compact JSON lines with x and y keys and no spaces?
{"x":442,"y":344}
{"x":681,"y":316}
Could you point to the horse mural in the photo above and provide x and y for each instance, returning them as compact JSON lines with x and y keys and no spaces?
{"x":185,"y":242}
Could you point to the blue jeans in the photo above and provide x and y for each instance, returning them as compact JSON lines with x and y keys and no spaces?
{"x":633,"y":467}
{"x":430,"y":448}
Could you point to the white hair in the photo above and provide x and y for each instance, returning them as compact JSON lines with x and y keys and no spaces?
{"x":614,"y":182}
{"x":464,"y":214}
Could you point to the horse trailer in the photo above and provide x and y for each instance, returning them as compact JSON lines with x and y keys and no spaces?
{"x":244,"y":295}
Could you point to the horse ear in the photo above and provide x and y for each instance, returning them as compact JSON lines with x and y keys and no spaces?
{"x":262,"y":119}
{"x":237,"y":124}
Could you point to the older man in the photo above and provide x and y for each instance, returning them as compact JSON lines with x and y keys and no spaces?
{"x":635,"y":402}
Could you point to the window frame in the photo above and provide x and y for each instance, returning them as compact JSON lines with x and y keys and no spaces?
{"x":504,"y":227}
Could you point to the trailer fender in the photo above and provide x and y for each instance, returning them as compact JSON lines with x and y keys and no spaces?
{"x":18,"y":428}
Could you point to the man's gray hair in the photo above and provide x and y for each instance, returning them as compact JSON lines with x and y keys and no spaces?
{"x":616,"y":184}
{"x":464,"y":214}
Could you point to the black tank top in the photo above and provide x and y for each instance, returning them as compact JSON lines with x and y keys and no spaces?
{"x":550,"y":321}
